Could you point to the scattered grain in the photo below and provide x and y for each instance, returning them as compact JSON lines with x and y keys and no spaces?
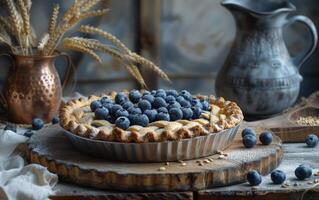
{"x":162,"y":169}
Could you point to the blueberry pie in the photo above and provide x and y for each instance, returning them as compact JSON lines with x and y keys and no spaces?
{"x":148,"y":116}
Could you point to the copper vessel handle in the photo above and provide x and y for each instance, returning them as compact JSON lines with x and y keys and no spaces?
{"x":67,"y":74}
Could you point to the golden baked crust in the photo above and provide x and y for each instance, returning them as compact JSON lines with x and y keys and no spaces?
{"x":77,"y":117}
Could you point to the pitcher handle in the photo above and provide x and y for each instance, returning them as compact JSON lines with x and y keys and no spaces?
{"x":67,"y":73}
{"x":303,"y":56}
{"x":2,"y":96}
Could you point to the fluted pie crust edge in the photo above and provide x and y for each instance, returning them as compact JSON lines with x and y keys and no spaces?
{"x":76,"y":117}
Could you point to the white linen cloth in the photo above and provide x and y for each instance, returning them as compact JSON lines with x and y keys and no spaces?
{"x":20,"y":182}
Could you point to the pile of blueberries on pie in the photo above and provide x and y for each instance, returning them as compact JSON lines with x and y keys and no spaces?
{"x":142,"y":108}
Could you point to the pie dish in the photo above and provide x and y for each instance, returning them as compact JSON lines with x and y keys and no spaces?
{"x":132,"y":123}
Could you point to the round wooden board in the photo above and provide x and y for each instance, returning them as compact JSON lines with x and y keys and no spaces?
{"x":50,"y":147}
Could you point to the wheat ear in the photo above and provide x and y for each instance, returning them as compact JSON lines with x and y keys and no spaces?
{"x":14,"y":17}
{"x":95,"y":13}
{"x":133,"y":70}
{"x":81,"y":48}
{"x":87,"y":5}
{"x":7,"y":25}
{"x":106,"y":35}
{"x":25,"y":17}
{"x":53,"y":18}
{"x":148,"y":64}
{"x":43,"y":41}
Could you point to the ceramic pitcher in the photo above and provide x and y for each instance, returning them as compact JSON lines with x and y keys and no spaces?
{"x":259,"y":73}
{"x":33,"y":88}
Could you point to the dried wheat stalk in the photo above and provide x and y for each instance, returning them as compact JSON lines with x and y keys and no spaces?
{"x":53,"y":18}
{"x":43,"y":41}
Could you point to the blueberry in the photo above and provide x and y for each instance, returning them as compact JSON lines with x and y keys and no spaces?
{"x":11,"y":127}
{"x":153,"y":92}
{"x":248,"y":131}
{"x":186,"y":95}
{"x":55,"y":120}
{"x":173,"y":93}
{"x":160,"y":93}
{"x":205,"y":105}
{"x":28,"y":133}
{"x":149,"y":98}
{"x":254,"y":178}
{"x":170,"y":98}
{"x":196,"y":112}
{"x":101,"y":113}
{"x":249,"y":141}
{"x":185,"y":103}
{"x":134,"y":110}
{"x":175,"y":114}
{"x":159,"y":102}
{"x":141,"y":120}
{"x":162,"y":110}
{"x":120,"y":98}
{"x":173,"y":104}
{"x":265,"y":138}
{"x":146,"y":92}
{"x":37,"y":123}
{"x":135,"y":96}
{"x":121,"y":113}
{"x":105,"y":100}
{"x":303,"y":171}
{"x":187,"y":113}
{"x":311,"y":140}
{"x":162,"y":116}
{"x":110,"y":119}
{"x":108,"y":105}
{"x":95,"y":105}
{"x":179,"y":99}
{"x":114,"y":108}
{"x":278,"y":176}
{"x":151,"y":114}
{"x":144,"y":105}
{"x":196,"y":103}
{"x":127,"y":105}
{"x":122,"y":122}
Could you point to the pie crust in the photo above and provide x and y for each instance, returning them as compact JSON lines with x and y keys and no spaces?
{"x":77,"y":117}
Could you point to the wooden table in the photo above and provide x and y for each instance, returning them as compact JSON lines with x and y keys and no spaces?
{"x":295,"y":154}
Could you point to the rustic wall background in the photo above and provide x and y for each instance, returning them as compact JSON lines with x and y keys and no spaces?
{"x":194,"y":39}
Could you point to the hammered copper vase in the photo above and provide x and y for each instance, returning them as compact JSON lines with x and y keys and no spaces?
{"x":33,"y":88}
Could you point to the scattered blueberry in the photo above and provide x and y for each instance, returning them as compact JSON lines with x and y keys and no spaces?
{"x":122,"y":122}
{"x":278,"y":176}
{"x":134,"y":110}
{"x":248,"y":131}
{"x":265,"y":138}
{"x":196,"y":103}
{"x":185,"y":103}
{"x":205,"y":105}
{"x":127,"y":105}
{"x":187,"y":113}
{"x":141,"y":120}
{"x":55,"y":120}
{"x":95,"y":105}
{"x":163,"y":116}
{"x":149,"y":98}
{"x":173,"y":104}
{"x":173,"y":93}
{"x":179,"y":99}
{"x":121,"y":113}
{"x":162,"y":110}
{"x":144,"y":105}
{"x":170,"y":99}
{"x":175,"y":114}
{"x":114,"y":108}
{"x":196,"y":112}
{"x":159,"y":102}
{"x":120,"y":98}
{"x":146,"y":92}
{"x":249,"y":141}
{"x":11,"y":127}
{"x":303,"y":171}
{"x":108,"y":105}
{"x":160,"y":93}
{"x":28,"y":133}
{"x":153,"y":92}
{"x":37,"y":123}
{"x":105,"y":100}
{"x":151,"y":114}
{"x":254,"y":178}
{"x":311,"y":140}
{"x":101,"y":113}
{"x":186,"y":95}
{"x":135,"y":96}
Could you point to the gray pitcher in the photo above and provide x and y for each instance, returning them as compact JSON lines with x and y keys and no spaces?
{"x":259,"y":74}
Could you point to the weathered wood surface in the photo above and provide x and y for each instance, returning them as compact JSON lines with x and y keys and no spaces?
{"x":285,"y":125}
{"x":294,"y":155}
{"x":51,"y":148}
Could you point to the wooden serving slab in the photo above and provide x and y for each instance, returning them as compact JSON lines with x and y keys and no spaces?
{"x":286,"y":125}
{"x":50,"y":148}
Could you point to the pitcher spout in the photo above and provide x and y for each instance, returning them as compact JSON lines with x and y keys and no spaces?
{"x":260,"y":7}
